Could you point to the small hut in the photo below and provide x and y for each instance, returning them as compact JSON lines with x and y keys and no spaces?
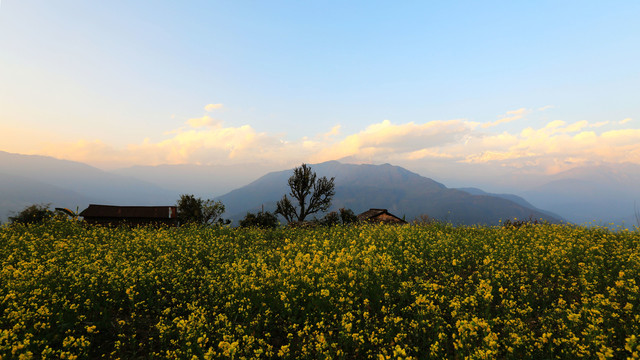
{"x":380,"y":216}
{"x":130,"y":215}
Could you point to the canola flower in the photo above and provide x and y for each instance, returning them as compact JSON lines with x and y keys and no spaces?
{"x":381,"y":292}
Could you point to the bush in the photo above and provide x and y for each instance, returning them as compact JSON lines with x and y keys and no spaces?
{"x":343,"y":216}
{"x":347,"y":216}
{"x":331,"y":219}
{"x":262,"y":219}
{"x":515,"y":223}
{"x":34,"y":214}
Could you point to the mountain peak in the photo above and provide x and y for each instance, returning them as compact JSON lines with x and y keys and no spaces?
{"x":386,"y":186}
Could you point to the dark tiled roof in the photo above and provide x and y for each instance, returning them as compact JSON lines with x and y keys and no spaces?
{"x":372,"y":214}
{"x":109,"y":211}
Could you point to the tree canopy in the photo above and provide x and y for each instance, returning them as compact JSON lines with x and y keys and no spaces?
{"x":34,"y":214}
{"x":262,"y":219}
{"x":343,"y":216}
{"x":310,"y":195}
{"x":196,"y":210}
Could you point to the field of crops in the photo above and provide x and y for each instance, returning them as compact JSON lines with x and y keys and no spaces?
{"x":544,"y":291}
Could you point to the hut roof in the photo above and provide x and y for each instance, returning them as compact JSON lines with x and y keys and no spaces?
{"x":109,"y":211}
{"x":380,"y":215}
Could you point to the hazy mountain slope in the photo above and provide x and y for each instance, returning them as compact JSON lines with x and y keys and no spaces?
{"x":201,"y":180}
{"x":511,"y":197}
{"x":22,"y":192}
{"x":51,"y":175}
{"x":377,"y":176}
{"x":515,"y":198}
{"x":404,"y":193}
{"x":271,"y":187}
{"x":603,"y":194}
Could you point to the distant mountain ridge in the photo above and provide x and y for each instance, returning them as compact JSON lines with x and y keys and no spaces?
{"x":606,"y":193}
{"x":602,"y":194}
{"x":32,"y":179}
{"x":18,"y":192}
{"x":515,"y":198}
{"x":204,"y":181}
{"x":402,"y":192}
{"x":81,"y":178}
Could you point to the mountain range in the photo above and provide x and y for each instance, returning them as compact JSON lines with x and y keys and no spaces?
{"x":604,"y":193}
{"x":201,"y":180}
{"x":31,"y":179}
{"x":402,"y":192}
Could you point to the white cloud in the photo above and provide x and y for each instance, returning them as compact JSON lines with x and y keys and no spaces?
{"x":205,"y":140}
{"x":212,"y":107}
{"x":599,"y":124}
{"x":387,"y":138}
{"x":332,"y":133}
{"x":197,"y":145}
{"x":508,"y":117}
{"x":561,"y":143}
{"x":427,"y":153}
{"x":203,"y":121}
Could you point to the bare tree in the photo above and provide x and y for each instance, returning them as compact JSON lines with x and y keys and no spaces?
{"x":310,"y":194}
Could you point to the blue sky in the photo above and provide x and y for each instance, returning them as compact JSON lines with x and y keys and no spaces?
{"x":116,"y":83}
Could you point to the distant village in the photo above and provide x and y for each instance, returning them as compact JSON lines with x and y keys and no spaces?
{"x":168,"y":215}
{"x":309,"y":195}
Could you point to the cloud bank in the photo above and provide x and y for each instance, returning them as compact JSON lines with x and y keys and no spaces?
{"x":551,"y":146}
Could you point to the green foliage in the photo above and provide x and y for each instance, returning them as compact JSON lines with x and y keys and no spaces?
{"x":515,"y":223}
{"x":212,"y":212}
{"x":350,"y":292}
{"x":342,"y":217}
{"x":189,"y":209}
{"x":330,"y":219}
{"x":34,"y":214}
{"x":347,"y":216}
{"x":262,"y":219}
{"x":286,"y":209}
{"x":198,"y":211}
{"x":310,"y":194}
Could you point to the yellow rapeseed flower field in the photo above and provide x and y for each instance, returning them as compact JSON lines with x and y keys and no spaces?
{"x":70,"y":291}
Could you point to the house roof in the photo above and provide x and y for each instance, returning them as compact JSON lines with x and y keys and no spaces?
{"x":379,"y":214}
{"x":109,"y":211}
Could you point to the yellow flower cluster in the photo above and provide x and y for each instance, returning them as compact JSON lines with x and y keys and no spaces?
{"x":382,"y":292}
